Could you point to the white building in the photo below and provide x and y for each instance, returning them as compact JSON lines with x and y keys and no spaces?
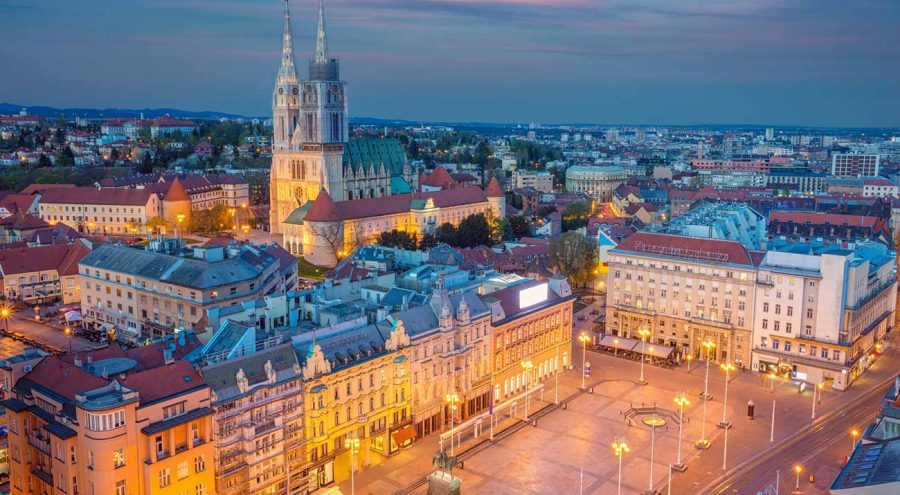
{"x":821,"y":311}
{"x":599,"y":182}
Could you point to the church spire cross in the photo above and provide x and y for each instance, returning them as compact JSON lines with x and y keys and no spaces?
{"x":321,"y":39}
{"x":287,"y":48}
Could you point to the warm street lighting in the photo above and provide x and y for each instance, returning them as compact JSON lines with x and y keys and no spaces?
{"x":772,"y":381}
{"x":620,"y":448}
{"x":353,"y":445}
{"x":798,"y":469}
{"x":527,"y":366}
{"x":616,"y":347}
{"x":727,"y":368}
{"x":5,"y":313}
{"x":452,"y":399}
{"x":709,"y":345}
{"x":689,"y":357}
{"x":681,"y":401}
{"x":817,"y":391}
{"x":853,"y":434}
{"x":584,"y":338}
{"x":644,"y":333}
{"x":68,"y":332}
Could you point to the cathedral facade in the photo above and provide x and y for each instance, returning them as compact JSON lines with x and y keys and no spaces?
{"x":311,"y":147}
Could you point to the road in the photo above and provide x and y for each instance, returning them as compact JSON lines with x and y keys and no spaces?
{"x":47,"y":335}
{"x":752,"y":477}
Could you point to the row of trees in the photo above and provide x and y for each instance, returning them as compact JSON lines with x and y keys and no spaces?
{"x":474,"y":230}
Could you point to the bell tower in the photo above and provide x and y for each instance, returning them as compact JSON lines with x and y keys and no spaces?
{"x":286,"y":95}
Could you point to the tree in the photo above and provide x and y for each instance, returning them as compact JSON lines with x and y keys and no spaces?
{"x":428,"y":241}
{"x":518,"y":226}
{"x":447,"y":233}
{"x":576,"y":215}
{"x":543,"y":211}
{"x":474,"y":230}
{"x":575,"y":256}
{"x":398,"y":239}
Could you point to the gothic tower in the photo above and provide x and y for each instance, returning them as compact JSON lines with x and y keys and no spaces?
{"x":311,"y":158}
{"x":286,"y":95}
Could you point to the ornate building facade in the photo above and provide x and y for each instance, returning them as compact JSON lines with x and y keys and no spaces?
{"x":311,"y":147}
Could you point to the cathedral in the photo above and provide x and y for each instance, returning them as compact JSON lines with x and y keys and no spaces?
{"x":311,"y":147}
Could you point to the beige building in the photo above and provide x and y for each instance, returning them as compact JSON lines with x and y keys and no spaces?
{"x":43,"y":274}
{"x":330,"y":230}
{"x":260,"y":441}
{"x":599,"y":182}
{"x":151,"y":293}
{"x":100,"y":211}
{"x":109,"y":422}
{"x":450,"y":353}
{"x":686,"y":291}
{"x":541,"y":181}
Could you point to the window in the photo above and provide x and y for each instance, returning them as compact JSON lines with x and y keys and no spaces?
{"x":199,"y":464}
{"x":165,"y":478}
{"x":105,"y":421}
{"x":120,"y":487}
{"x":765,"y":324}
{"x":173,"y":410}
{"x":91,"y":459}
{"x":119,"y":458}
{"x":182,"y":470}
{"x":775,"y":344}
{"x":787,"y":346}
{"x":198,"y":490}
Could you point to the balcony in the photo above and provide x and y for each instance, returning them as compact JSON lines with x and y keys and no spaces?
{"x":265,"y":427}
{"x":39,"y":442}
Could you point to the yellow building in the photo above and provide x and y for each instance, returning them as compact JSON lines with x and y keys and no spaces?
{"x":100,"y":211}
{"x":356,"y":384}
{"x":41,"y":274}
{"x":110,"y":422}
{"x":329,"y":230}
{"x":531,"y":329}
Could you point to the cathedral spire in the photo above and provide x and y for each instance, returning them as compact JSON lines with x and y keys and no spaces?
{"x":321,"y":39}
{"x":287,"y":48}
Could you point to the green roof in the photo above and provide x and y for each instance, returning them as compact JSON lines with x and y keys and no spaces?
{"x":296,"y":217}
{"x":400,"y":186}
{"x":360,"y":153}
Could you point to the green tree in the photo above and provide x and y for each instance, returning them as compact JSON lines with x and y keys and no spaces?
{"x":575,"y":256}
{"x":446,"y":232}
{"x":398,"y":239}
{"x":518,"y":226}
{"x":474,"y":230}
{"x":428,"y":241}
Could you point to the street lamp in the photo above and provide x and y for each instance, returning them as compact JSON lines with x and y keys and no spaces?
{"x":68,"y":332}
{"x":584,"y":339}
{"x":620,"y":448}
{"x":727,"y":368}
{"x":452,"y":399}
{"x":681,"y":401}
{"x":644,"y":333}
{"x":798,"y":469}
{"x":616,"y":347}
{"x":817,"y":390}
{"x":772,"y":382}
{"x":527,"y":366}
{"x":709,"y":345}
{"x":353,"y":445}
{"x":5,"y":313}
{"x":689,"y":357}
{"x":853,"y":434}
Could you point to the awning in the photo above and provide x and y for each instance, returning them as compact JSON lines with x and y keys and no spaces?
{"x":621,"y":343}
{"x":655,"y":350}
{"x":404,"y":435}
{"x":73,"y":316}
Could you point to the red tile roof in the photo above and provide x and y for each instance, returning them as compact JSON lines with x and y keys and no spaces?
{"x":802,"y":217}
{"x":176,"y":192}
{"x":60,"y":257}
{"x":33,"y":188}
{"x":493,"y":189}
{"x":164,"y":381}
{"x":69,"y":263}
{"x":326,"y":210}
{"x":94,"y":196}
{"x":63,"y":378}
{"x":439,"y":178}
{"x":323,"y":209}
{"x":17,"y":202}
{"x":694,"y":248}
{"x":23,"y":221}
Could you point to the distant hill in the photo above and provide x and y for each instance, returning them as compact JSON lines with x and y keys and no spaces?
{"x":114,"y":113}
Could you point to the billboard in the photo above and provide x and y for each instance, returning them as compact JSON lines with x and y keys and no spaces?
{"x":532,"y":295}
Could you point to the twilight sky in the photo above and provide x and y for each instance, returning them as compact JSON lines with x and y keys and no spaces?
{"x":788,"y":62}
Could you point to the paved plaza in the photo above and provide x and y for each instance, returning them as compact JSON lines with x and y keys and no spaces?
{"x":569,"y":449}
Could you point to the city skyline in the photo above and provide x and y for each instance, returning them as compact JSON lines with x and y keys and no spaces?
{"x":769,"y":63}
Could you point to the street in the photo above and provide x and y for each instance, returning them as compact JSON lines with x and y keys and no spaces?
{"x":48,"y":334}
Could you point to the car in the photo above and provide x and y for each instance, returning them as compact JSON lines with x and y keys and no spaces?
{"x":582,"y":318}
{"x":595,"y":312}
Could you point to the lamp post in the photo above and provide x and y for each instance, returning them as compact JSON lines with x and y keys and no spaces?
{"x":689,"y":357}
{"x":772,"y":382}
{"x":650,"y":490}
{"x":179,"y":219}
{"x":616,"y":348}
{"x":452,"y":399}
{"x":709,"y":345}
{"x":728,"y":368}
{"x":798,"y":469}
{"x":583,"y":338}
{"x":5,"y":313}
{"x":68,"y":332}
{"x":620,"y":448}
{"x":681,"y":401}
{"x":644,"y":333}
{"x":817,"y":390}
{"x":353,"y":445}
{"x":853,"y":434}
{"x":527,"y":366}
{"x":558,"y":336}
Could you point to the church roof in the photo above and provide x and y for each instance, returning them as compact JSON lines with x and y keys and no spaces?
{"x":361,"y":153}
{"x":400,"y":186}
{"x":493,"y":189}
{"x":439,"y":178}
{"x":177,"y":192}
{"x":323,"y":209}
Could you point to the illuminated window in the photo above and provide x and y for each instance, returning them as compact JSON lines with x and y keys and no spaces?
{"x":119,"y":458}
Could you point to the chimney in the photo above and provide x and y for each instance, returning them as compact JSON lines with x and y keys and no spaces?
{"x":78,"y":361}
{"x":90,"y":357}
{"x":104,"y":373}
{"x":167,"y":356}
